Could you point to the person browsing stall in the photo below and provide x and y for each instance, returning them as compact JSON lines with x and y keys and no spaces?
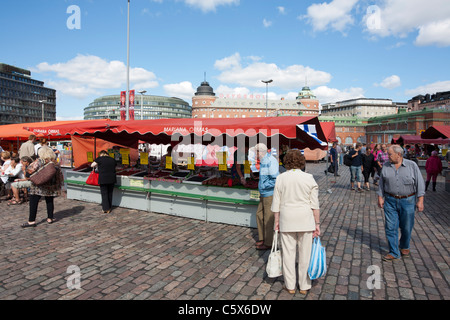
{"x":268,"y":172}
{"x":106,"y":178}
{"x":237,"y":170}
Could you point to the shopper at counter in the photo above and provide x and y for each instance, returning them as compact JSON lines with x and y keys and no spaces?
{"x":268,"y":172}
{"x":106,"y":178}
{"x":237,"y":170}
{"x":162,"y":164}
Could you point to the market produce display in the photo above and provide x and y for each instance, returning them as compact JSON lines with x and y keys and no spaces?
{"x":128,"y":172}
{"x":159,"y":174}
{"x":85,"y":167}
{"x":228,"y":182}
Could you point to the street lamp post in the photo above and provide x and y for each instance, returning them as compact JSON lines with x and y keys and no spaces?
{"x":42,"y":102}
{"x":267,"y":90}
{"x":127,"y":103}
{"x":142,"y":102}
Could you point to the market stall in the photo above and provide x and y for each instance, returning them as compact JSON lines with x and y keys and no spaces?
{"x":428,"y":145}
{"x":436,"y":132}
{"x":329,"y":131}
{"x":190,"y":190}
{"x":13,"y":135}
{"x":443,"y":132}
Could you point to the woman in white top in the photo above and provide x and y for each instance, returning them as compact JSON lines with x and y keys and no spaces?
{"x":14,"y":170}
{"x":296,"y":210}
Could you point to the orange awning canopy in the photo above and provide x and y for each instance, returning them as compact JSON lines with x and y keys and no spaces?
{"x":165,"y":131}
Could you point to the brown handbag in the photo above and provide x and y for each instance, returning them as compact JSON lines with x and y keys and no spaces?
{"x":44,"y":174}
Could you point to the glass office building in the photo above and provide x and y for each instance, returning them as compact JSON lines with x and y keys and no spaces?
{"x":153,"y":107}
{"x":23,"y":99}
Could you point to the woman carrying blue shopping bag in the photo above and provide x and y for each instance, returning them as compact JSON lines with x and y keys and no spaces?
{"x":317,"y":262}
{"x":296,"y":210}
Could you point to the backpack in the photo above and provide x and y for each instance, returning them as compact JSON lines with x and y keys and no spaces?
{"x":347,"y":160}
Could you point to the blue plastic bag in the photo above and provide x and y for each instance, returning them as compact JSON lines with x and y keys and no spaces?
{"x":317,"y":262}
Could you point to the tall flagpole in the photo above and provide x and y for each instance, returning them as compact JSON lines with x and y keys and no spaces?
{"x":128,"y":65}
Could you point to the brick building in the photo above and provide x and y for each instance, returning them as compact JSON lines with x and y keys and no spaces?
{"x":439,"y":100}
{"x":206,"y":104}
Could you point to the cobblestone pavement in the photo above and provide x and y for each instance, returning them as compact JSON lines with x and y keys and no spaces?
{"x":133,"y":254}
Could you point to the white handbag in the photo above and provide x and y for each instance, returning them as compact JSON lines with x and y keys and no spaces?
{"x":274,"y":263}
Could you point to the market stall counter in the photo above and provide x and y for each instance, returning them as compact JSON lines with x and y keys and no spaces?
{"x":172,"y":193}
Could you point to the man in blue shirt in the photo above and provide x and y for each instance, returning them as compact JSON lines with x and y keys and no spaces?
{"x":268,"y":172}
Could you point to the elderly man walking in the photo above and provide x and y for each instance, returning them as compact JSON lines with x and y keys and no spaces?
{"x":401,"y":189}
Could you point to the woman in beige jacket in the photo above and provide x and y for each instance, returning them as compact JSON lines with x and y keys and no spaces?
{"x":296,"y":210}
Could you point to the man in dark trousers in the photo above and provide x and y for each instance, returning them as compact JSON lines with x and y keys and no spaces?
{"x":334,"y":158}
{"x":106,"y":178}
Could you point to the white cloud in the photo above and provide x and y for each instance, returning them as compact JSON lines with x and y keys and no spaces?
{"x":335,"y":15}
{"x":290,"y":77}
{"x":436,"y":33}
{"x":430,"y":88}
{"x":267,"y":23}
{"x":183,"y":90}
{"x":233,"y":61}
{"x":210,"y":5}
{"x":401,"y":17}
{"x":86,"y":74}
{"x":329,"y":95}
{"x":281,"y":10}
{"x":390,"y":82}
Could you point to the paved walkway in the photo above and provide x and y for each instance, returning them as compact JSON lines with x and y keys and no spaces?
{"x":132,"y":254}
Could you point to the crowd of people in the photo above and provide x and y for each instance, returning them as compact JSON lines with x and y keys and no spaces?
{"x":16,"y":171}
{"x":289,"y":202}
{"x":367,"y":162}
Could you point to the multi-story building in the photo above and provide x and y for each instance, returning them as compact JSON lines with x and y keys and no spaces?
{"x":206,"y":104}
{"x":349,"y":130}
{"x":153,"y":107}
{"x":383,"y":129}
{"x":23,"y":99}
{"x":439,"y":100}
{"x":361,"y":108}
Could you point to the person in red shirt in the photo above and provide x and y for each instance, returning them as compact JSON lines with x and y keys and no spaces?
{"x":433,"y":167}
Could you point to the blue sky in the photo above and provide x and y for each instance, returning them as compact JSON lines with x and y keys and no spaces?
{"x":343,"y":48}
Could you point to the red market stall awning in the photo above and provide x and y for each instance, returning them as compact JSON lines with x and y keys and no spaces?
{"x":19,"y":131}
{"x":436,"y":132}
{"x":329,"y":131}
{"x":299,"y":132}
{"x":407,"y":139}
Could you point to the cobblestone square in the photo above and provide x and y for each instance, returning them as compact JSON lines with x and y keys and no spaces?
{"x":137,"y":255}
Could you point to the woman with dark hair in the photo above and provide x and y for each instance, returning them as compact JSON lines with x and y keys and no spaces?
{"x":296,"y":210}
{"x":106,"y":178}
